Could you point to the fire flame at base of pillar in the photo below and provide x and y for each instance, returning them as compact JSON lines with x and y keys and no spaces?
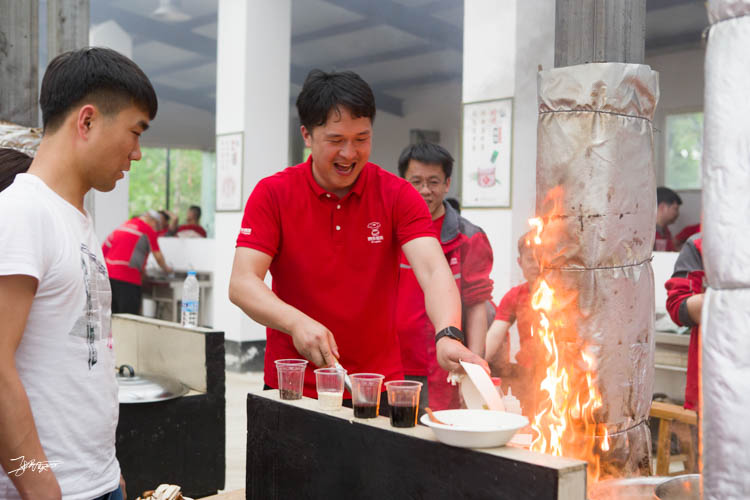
{"x":565,"y":423}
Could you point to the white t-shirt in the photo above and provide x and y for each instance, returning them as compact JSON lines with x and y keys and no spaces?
{"x":65,"y":358}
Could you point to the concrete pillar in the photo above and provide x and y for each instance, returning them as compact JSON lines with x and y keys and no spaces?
{"x":589,"y":31}
{"x":252,"y":97}
{"x":19,"y":60}
{"x":67,"y":25}
{"x":504,"y":43}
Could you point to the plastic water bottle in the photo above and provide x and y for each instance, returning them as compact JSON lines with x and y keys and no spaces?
{"x":512,"y":404}
{"x":190,"y":300}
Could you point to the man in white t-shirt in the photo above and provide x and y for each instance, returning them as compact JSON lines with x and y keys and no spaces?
{"x":59,"y":408}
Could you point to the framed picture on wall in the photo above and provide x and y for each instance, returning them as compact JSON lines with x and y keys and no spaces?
{"x":229,"y":172}
{"x":486,"y":154}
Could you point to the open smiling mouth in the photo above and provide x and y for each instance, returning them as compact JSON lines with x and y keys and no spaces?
{"x":344,"y":169}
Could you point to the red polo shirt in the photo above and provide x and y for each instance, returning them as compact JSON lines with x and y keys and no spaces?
{"x":336,"y":260}
{"x":126,"y":250}
{"x":516,"y":306}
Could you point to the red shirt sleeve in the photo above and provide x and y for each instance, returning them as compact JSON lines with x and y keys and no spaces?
{"x":152,"y":237}
{"x":687,"y":232}
{"x":476,"y":264}
{"x":411,"y":218}
{"x":260,"y":224}
{"x":678,"y":290}
{"x":506,"y":311}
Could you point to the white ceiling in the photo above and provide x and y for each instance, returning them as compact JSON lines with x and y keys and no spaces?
{"x":396,"y":45}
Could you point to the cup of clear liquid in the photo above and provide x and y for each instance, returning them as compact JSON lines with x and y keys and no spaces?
{"x":330,"y":385}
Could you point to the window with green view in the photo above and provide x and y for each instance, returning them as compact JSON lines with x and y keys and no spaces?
{"x":684,"y":149}
{"x":174,"y":179}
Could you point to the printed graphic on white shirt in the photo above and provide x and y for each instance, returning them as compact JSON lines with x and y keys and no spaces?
{"x":94,"y":323}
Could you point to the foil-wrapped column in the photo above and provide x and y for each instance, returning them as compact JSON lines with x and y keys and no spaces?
{"x":725,"y":329}
{"x":596,"y":192}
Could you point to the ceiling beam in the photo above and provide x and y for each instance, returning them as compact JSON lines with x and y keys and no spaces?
{"x":439,"y":5}
{"x":391,"y":55}
{"x":142,"y":27}
{"x":665,"y":4}
{"x":180,"y":66}
{"x":408,"y":19}
{"x":419,"y":80}
{"x":683,"y":40}
{"x":199,"y":99}
{"x":337,"y":29}
{"x":384,"y":102}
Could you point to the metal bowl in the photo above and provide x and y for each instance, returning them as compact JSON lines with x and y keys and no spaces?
{"x":686,"y":487}
{"x":145,"y":388}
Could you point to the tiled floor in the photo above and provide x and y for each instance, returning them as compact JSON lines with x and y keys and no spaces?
{"x":237,"y":387}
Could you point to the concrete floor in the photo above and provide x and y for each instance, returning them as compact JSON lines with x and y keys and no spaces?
{"x":237,"y":387}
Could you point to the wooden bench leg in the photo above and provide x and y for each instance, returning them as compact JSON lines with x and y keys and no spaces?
{"x":662,"y":449}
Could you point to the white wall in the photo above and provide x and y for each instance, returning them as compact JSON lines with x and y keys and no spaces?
{"x":681,"y":84}
{"x":504,"y":42}
{"x":437,"y":107}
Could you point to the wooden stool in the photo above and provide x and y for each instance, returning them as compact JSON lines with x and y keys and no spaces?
{"x":667,"y":414}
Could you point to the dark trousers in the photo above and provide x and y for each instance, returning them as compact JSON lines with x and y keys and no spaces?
{"x":126,"y":297}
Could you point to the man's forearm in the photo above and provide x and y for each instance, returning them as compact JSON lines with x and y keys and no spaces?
{"x":19,"y":441}
{"x":476,"y":328}
{"x":442,"y":302}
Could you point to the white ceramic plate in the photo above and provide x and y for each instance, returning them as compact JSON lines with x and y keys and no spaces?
{"x":475,"y":428}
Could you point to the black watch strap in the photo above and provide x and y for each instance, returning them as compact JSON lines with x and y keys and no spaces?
{"x":451,"y":332}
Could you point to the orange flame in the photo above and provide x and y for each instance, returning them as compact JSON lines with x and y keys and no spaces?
{"x":565,"y":423}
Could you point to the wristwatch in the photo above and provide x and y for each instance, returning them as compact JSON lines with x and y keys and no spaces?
{"x":451,"y":332}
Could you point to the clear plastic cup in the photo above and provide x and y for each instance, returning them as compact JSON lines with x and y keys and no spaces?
{"x":330,"y":385}
{"x":366,"y":394}
{"x":291,"y":373}
{"x":403,"y":397}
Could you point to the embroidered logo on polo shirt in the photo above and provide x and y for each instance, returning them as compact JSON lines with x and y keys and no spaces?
{"x":246,"y":231}
{"x":375,"y":236}
{"x":454,"y":261}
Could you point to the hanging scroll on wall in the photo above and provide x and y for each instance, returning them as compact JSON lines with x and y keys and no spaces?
{"x":229,"y":172}
{"x":486,"y":154}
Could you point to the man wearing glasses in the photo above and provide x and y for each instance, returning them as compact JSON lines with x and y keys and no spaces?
{"x":428,"y":168}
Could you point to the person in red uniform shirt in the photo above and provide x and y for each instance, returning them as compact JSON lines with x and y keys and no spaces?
{"x":126,"y":251}
{"x":515,"y":306}
{"x":667,"y":211}
{"x":330,"y":231}
{"x":192,"y":227}
{"x":467,"y":250}
{"x":684,"y":303}
{"x":681,"y":238}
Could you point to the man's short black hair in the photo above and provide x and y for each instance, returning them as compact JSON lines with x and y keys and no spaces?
{"x":666,"y":195}
{"x":196,"y":210}
{"x":102,"y":76}
{"x":428,"y":153}
{"x":323,"y":92}
{"x":12,"y":163}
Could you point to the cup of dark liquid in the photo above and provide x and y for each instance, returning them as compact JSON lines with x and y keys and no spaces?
{"x":403,"y":397}
{"x":366,"y":394}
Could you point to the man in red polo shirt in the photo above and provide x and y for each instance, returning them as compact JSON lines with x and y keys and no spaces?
{"x":125,"y":251}
{"x":515,"y":307}
{"x":684,"y":303}
{"x":467,"y":250}
{"x":667,"y":211}
{"x":330,"y":231}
